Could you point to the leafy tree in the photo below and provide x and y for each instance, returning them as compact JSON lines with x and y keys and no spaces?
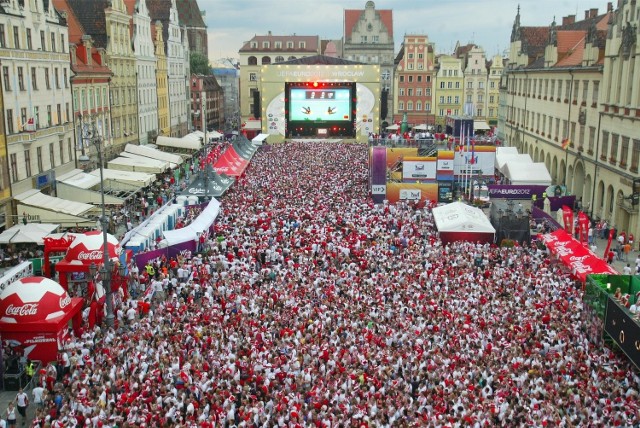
{"x":199,"y":64}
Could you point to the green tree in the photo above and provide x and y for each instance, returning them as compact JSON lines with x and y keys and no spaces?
{"x":199,"y":64}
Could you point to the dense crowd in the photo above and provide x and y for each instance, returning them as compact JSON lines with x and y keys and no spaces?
{"x":314,"y":308}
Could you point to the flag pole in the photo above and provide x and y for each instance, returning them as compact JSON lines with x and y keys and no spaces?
{"x":464,"y":166}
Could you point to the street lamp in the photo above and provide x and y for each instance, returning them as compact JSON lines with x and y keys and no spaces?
{"x":90,"y":134}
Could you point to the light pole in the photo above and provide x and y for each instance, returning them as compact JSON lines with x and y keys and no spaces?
{"x":91,"y":135}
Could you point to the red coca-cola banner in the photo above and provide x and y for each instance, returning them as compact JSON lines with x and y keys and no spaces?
{"x":567,"y":217}
{"x":583,"y":221}
{"x":606,"y":250}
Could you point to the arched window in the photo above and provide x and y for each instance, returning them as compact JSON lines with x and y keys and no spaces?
{"x":279,"y":59}
{"x":266,"y":60}
{"x":253,"y":60}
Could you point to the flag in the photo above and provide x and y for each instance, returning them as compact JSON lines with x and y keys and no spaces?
{"x":473,"y":152}
{"x":565,"y":143}
{"x":30,"y":126}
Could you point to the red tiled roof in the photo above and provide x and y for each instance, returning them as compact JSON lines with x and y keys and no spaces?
{"x":351,"y":17}
{"x":570,"y":48}
{"x":75,"y":28}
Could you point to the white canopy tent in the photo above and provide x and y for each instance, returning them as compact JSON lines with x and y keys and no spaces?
{"x":160,"y":164}
{"x":49,"y":209}
{"x":502,"y":160}
{"x":252,"y":125}
{"x":527,"y":173}
{"x":458,"y":221}
{"x":153,"y":153}
{"x":135,"y":165}
{"x":393,"y":127}
{"x":32,"y":233}
{"x":260,"y":139}
{"x":78,"y":178}
{"x":480,"y":125}
{"x":179,"y":143}
{"x":214,"y":134}
{"x":421,"y":127}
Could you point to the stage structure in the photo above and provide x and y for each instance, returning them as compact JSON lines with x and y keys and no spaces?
{"x":320,"y":97}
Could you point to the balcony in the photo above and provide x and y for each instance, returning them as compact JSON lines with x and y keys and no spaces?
{"x":626,"y":205}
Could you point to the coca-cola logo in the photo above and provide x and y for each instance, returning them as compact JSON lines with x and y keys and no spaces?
{"x":578,"y":258}
{"x":90,"y":255}
{"x":24,"y":310}
{"x":65,"y":301}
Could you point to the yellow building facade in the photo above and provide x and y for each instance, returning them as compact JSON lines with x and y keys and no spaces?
{"x":162,"y":78}
{"x":448,"y":89}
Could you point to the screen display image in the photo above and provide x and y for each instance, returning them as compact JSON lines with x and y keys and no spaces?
{"x":331,"y":104}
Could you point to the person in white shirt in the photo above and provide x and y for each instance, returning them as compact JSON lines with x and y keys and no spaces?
{"x":38,"y":393}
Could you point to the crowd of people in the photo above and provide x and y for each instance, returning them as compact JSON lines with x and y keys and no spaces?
{"x":311,"y":307}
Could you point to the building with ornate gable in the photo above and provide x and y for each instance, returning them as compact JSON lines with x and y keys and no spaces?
{"x":192,"y":18}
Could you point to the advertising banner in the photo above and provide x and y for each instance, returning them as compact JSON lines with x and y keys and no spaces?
{"x":583,"y":223}
{"x":515,"y":191}
{"x":477,"y":161}
{"x":428,"y":191}
{"x":444,"y":169}
{"x":184,"y":248}
{"x":567,"y":218}
{"x":423,"y":169}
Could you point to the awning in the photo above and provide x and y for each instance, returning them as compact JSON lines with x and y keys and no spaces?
{"x":48,"y":209}
{"x":79,"y":178}
{"x":160,"y":164}
{"x":153,"y":153}
{"x":31,"y":233}
{"x":480,"y":125}
{"x":214,"y":134}
{"x":134,"y":165}
{"x":128,"y":178}
{"x":422,"y":127}
{"x":179,"y":143}
{"x":393,"y":127}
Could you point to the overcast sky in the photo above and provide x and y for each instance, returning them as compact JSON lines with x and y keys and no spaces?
{"x":486,"y":23}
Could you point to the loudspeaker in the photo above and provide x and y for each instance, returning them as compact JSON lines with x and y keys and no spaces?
{"x":256,"y":104}
{"x":384,"y":95}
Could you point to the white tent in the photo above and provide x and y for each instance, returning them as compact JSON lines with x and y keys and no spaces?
{"x":79,"y":178}
{"x":152,"y":153}
{"x":128,"y":178}
{"x":461,"y":222}
{"x":214,"y":134}
{"x":48,"y":209}
{"x":260,"y":138}
{"x":31,"y":233}
{"x":393,"y":127}
{"x":527,"y":173}
{"x":502,"y":160}
{"x":480,"y":125}
{"x":422,"y":127}
{"x":160,"y":164}
{"x":506,"y":150}
{"x":190,"y":233}
{"x":77,"y":185}
{"x":179,"y":143}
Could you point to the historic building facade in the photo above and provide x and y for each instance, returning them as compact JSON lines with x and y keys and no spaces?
{"x":368,"y":39}
{"x":413,"y":81}
{"x":192,"y":18}
{"x":576,"y":83}
{"x":207,"y":103}
{"x":449,"y":90}
{"x":34,"y":55}
{"x":162,"y":80}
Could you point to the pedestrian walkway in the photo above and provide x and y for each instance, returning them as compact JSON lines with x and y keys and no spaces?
{"x":7,"y":397}
{"x":618,"y":265}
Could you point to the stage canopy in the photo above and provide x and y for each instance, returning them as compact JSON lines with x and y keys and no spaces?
{"x":461,"y":222}
{"x":527,"y":173}
{"x":502,"y":160}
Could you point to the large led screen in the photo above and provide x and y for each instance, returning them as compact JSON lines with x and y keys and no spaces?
{"x":330,"y":104}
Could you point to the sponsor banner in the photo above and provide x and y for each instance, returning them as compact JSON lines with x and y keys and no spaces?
{"x":478,"y":161}
{"x":583,"y":223}
{"x":378,"y":189}
{"x":567,"y":218}
{"x":444,"y":165}
{"x":428,"y":191}
{"x":515,"y":191}
{"x":23,"y":270}
{"x":184,"y":248}
{"x":410,"y":194}
{"x":379,"y":165}
{"x":419,"y":170}
{"x":623,"y":330}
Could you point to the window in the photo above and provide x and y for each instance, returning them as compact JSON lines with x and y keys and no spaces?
{"x":36,"y":116}
{"x":253,"y":77}
{"x":3,"y":42}
{"x":491,"y":112}
{"x":265,"y":45}
{"x":418,"y":106}
{"x":410,"y":56}
{"x":27,"y":162}
{"x":9,"y":121}
{"x":278,"y":45}
{"x":470,"y":85}
{"x":302,"y":45}
{"x":613,"y":155}
{"x":624,"y":151}
{"x":449,"y":99}
{"x":401,"y":105}
{"x":279,"y":59}
{"x":39,"y":159}
{"x":52,"y":158}
{"x":83,"y":99}
{"x":410,"y":106}
{"x":266,"y":60}
{"x":410,"y":92}
{"x":59,"y":114}
{"x":594,"y":95}
{"x":605,"y":145}
{"x":585,"y":90}
{"x":479,"y":112}
{"x":61,"y":150}
{"x":14,"y":167}
{"x":457,"y":85}
{"x":428,"y":92}
{"x":481,"y":85}
{"x":53,"y":42}
{"x":289,"y":45}
{"x":401,"y":79}
{"x":29,"y":41}
{"x":480,"y":98}
{"x":635,"y":155}
{"x":410,"y":79}
{"x":47,"y":82}
{"x":16,"y":37}
{"x":375,"y":39}
{"x":43,"y":44}
{"x":64,"y":76}
{"x":410,"y":66}
{"x":492,"y":85}
{"x":441,"y":99}
{"x":49,"y":118}
{"x":456,"y":100}
{"x":62,"y":43}
{"x":363,"y":39}
{"x":427,"y":106}
{"x":492,"y":99}
{"x":419,"y":92}
{"x":91,"y":99}
{"x":469,"y":96}
{"x":254,"y":45}
{"x":420,"y":56}
{"x":34,"y":79}
{"x":23,"y":116}
{"x":441,"y":85}
{"x":449,"y":85}
{"x":401,"y":92}
{"x":21,"y":79}
{"x":56,"y":77}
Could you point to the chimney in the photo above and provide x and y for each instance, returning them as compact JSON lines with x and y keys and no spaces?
{"x":594,"y":12}
{"x":569,"y":19}
{"x":586,"y":14}
{"x":610,"y":7}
